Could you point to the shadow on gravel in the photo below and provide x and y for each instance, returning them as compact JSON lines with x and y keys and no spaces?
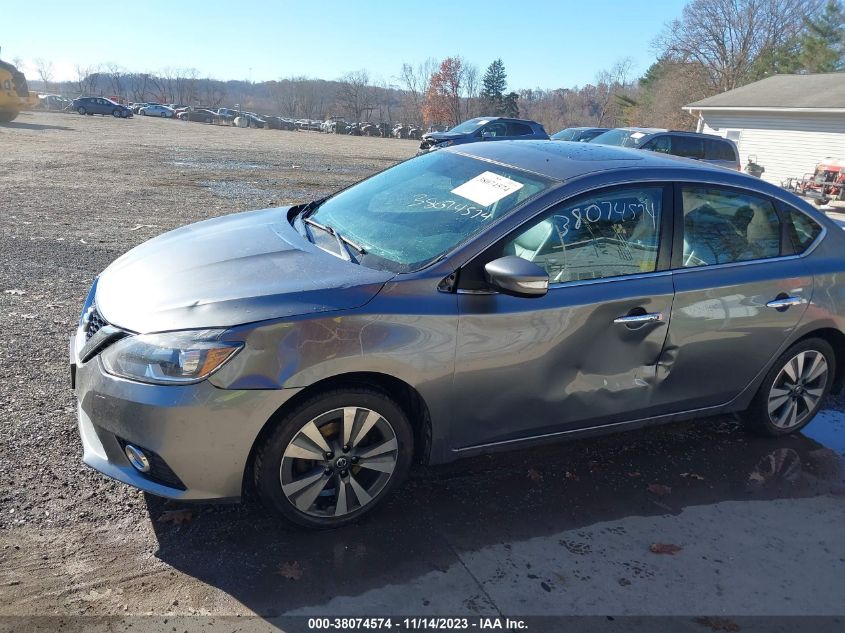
{"x":272,"y":567}
{"x":20,"y":125}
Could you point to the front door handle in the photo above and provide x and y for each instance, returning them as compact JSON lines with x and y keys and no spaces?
{"x":638,"y":319}
{"x":785,"y":302}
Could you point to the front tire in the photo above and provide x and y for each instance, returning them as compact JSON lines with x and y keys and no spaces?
{"x":335,"y":457}
{"x":792,"y":392}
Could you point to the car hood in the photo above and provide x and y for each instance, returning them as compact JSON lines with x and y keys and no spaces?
{"x":442,"y":136}
{"x":236,"y":269}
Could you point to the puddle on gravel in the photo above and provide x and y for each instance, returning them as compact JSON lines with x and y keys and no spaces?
{"x":237,"y":190}
{"x":240,"y":190}
{"x":220,"y":165}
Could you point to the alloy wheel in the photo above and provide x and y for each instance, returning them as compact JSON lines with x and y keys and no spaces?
{"x":338,"y":462}
{"x":798,"y":389}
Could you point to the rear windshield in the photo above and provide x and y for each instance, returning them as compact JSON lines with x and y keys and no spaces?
{"x":566,"y":135}
{"x":720,"y":150}
{"x":620,"y":138}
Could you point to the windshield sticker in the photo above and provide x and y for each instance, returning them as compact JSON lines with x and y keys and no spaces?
{"x":487,"y":188}
{"x":637,"y":135}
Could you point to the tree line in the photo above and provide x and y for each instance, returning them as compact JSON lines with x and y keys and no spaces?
{"x":715,"y":45}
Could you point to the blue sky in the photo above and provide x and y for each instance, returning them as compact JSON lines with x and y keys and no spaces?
{"x":545,"y":44}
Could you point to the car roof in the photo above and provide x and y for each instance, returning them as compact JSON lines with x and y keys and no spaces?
{"x":566,"y":161}
{"x":644,"y":130}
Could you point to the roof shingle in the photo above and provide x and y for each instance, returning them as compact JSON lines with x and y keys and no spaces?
{"x":821,"y":90}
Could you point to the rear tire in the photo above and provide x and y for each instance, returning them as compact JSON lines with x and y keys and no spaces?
{"x":115,"y":113}
{"x":335,"y":457}
{"x":81,"y":110}
{"x":792,"y":392}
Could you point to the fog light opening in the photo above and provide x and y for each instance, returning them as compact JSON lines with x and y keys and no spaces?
{"x":137,"y":458}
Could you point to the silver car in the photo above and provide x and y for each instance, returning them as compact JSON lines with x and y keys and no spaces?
{"x":479,"y":298}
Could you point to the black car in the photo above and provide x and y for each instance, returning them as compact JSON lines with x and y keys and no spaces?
{"x":200,"y":115}
{"x":705,"y":147}
{"x":279,"y":123}
{"x":100,"y":105}
{"x":493,"y":128}
{"x":579,"y":134}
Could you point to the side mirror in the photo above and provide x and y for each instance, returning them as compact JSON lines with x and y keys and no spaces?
{"x":516,"y":276}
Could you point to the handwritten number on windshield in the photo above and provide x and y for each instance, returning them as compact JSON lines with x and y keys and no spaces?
{"x":467,"y":210}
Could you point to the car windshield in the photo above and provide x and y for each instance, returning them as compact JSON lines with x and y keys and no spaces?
{"x":566,"y":135}
{"x":620,"y":137}
{"x":467,"y":127}
{"x":410,"y":215}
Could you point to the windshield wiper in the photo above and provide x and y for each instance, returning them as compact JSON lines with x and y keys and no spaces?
{"x":343,"y":242}
{"x":309,"y":208}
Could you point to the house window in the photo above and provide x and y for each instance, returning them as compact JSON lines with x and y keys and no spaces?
{"x":734,"y":135}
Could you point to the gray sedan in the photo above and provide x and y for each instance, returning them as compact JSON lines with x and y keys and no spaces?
{"x":470,"y":300}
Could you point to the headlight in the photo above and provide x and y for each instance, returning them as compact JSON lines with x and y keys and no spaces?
{"x":171,"y":358}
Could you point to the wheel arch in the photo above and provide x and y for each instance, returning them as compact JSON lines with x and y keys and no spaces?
{"x":836,"y":339}
{"x":406,"y":396}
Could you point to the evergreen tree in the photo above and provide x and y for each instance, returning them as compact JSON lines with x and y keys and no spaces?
{"x":823,"y":43}
{"x":509,"y":106}
{"x":493,"y":87}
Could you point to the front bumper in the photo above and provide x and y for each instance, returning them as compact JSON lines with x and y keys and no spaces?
{"x":202,"y":433}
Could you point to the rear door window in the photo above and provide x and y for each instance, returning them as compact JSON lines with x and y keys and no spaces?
{"x":801,"y":230}
{"x":723,"y":226}
{"x":719,"y":150}
{"x":688,"y":146}
{"x":519,"y":129}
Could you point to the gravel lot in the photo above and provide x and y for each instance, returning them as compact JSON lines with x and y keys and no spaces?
{"x":560,"y":529}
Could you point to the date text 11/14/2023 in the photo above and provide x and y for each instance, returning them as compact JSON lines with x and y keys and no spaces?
{"x":417,"y":624}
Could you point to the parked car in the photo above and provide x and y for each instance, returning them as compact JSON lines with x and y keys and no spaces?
{"x":466,"y":301}
{"x":253,"y":120}
{"x":54,"y":103}
{"x":705,"y":147}
{"x":200,"y":115}
{"x":156,"y":110}
{"x":227,"y":114}
{"x":279,"y":123}
{"x":100,"y":105}
{"x":578,"y":134}
{"x":484,"y":129}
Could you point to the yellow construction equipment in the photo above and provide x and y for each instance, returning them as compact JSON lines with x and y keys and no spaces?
{"x":14,"y":93}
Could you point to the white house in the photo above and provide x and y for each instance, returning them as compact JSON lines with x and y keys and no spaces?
{"x":789,"y":122}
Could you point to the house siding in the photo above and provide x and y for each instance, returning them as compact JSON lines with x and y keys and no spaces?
{"x":787,"y":145}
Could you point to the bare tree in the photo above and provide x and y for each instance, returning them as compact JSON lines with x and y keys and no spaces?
{"x":45,"y":72}
{"x":355,"y":94}
{"x":116,"y":77}
{"x":471,"y":89}
{"x":86,"y":78}
{"x":185,"y":85}
{"x":211,"y":92}
{"x":608,"y":84}
{"x":415,"y":80}
{"x":726,"y":37}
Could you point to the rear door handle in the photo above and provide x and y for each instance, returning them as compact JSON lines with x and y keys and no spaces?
{"x":636,"y":319}
{"x":785,"y":302}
